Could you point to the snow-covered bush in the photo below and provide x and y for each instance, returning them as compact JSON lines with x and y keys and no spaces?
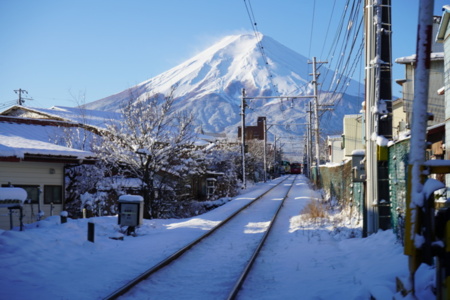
{"x":85,"y":180}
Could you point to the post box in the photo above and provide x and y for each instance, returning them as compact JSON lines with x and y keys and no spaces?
{"x":131,"y":210}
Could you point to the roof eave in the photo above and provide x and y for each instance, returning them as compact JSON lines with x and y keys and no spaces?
{"x":440,"y":37}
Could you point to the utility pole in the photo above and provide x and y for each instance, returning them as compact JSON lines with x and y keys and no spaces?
{"x":310,"y":155}
{"x":21,"y":100}
{"x":378,"y":111}
{"x":265,"y":148}
{"x":315,"y":83}
{"x":243,"y":106}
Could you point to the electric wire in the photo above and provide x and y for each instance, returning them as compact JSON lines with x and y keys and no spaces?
{"x":347,"y":60}
{"x":344,"y":53}
{"x":354,"y":19}
{"x":312,"y":28}
{"x":258,"y":37}
{"x":328,"y":27}
{"x":8,"y":103}
{"x":346,"y":40}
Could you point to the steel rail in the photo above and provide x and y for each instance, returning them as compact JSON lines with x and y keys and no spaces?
{"x":232,"y":295}
{"x":127,"y":287}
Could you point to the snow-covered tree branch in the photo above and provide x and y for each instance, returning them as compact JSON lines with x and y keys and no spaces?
{"x":151,"y":144}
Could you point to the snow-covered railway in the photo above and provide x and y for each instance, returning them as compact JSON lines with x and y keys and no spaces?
{"x":235,"y":242}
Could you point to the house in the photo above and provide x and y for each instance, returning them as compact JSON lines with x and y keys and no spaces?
{"x":254,"y":132}
{"x":335,"y":151}
{"x":30,"y":160}
{"x":402,"y":111}
{"x":340,"y":148}
{"x":399,"y":118}
{"x":92,"y":120}
{"x":352,"y":137}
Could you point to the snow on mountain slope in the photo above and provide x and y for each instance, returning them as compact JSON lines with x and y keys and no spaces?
{"x":210,"y":86}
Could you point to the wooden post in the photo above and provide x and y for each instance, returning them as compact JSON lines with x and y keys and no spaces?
{"x":91,"y":232}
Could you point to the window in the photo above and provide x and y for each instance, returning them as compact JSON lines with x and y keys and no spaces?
{"x":52,"y":194}
{"x":32,"y":191}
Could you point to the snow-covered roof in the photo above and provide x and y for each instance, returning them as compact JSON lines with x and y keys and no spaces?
{"x":335,"y":137}
{"x":412,"y":58}
{"x":20,"y":139}
{"x":94,"y":118}
{"x":359,"y":152}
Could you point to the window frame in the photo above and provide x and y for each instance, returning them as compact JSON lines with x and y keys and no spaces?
{"x":49,"y":192}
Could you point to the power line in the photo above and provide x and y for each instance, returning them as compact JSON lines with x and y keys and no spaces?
{"x":312,"y":28}
{"x":328,"y":28}
{"x":258,"y":37}
{"x":347,"y":39}
{"x":8,"y":103}
{"x":353,"y":17}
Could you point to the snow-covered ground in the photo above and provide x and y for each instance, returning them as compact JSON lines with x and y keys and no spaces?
{"x":303,"y":259}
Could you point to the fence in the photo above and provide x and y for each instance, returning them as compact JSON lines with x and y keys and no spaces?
{"x":336,"y":180}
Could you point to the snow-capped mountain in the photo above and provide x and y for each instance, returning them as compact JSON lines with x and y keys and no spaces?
{"x":210,"y":85}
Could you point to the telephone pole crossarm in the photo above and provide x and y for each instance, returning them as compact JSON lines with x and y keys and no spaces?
{"x":21,"y":99}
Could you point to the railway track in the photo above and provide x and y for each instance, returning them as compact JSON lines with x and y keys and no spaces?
{"x":236,"y":242}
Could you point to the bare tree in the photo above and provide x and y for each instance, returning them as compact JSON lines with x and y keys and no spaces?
{"x":152,"y":144}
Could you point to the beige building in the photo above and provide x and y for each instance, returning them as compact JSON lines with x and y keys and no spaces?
{"x":29,"y":160}
{"x":352,"y":137}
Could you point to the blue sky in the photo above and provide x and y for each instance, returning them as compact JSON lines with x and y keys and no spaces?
{"x":64,"y":51}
